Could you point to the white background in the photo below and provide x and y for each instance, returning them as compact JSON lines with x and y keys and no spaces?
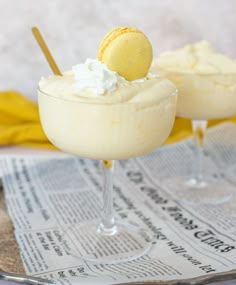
{"x":74,"y":28}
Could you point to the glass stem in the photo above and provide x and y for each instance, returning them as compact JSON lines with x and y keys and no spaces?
{"x":107,"y":225}
{"x":199,"y":129}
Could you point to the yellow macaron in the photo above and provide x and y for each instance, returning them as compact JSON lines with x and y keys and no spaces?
{"x":127,"y":51}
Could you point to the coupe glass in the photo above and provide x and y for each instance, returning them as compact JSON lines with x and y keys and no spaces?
{"x":107,"y":132}
{"x":201,"y":98}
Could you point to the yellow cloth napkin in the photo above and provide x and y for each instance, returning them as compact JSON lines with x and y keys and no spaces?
{"x":20,"y":123}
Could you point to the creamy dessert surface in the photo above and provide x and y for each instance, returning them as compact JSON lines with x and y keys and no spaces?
{"x":198,"y":58}
{"x":94,"y":82}
{"x":205,"y":78}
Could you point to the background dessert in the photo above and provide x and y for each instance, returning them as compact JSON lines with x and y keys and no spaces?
{"x":206,"y":81}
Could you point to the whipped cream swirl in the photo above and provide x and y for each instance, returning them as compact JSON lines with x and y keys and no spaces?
{"x":95,"y":77}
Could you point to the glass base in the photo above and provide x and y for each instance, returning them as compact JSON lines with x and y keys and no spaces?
{"x":193,"y":191}
{"x":122,"y":242}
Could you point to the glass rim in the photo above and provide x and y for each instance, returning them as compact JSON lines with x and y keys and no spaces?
{"x":87,"y":102}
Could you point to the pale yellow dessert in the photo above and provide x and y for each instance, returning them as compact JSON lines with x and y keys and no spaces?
{"x":110,"y":108}
{"x":93,"y":112}
{"x":206,"y":81}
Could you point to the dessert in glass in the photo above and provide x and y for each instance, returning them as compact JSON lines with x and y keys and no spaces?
{"x":206,"y":81}
{"x":94,"y":112}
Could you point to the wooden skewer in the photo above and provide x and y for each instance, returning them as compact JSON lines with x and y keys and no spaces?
{"x":46,"y":51}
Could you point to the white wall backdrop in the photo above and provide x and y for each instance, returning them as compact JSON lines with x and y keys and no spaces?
{"x":74,"y":28}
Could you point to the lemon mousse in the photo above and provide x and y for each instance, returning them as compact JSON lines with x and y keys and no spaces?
{"x":94,"y":112}
{"x":206,"y":81}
